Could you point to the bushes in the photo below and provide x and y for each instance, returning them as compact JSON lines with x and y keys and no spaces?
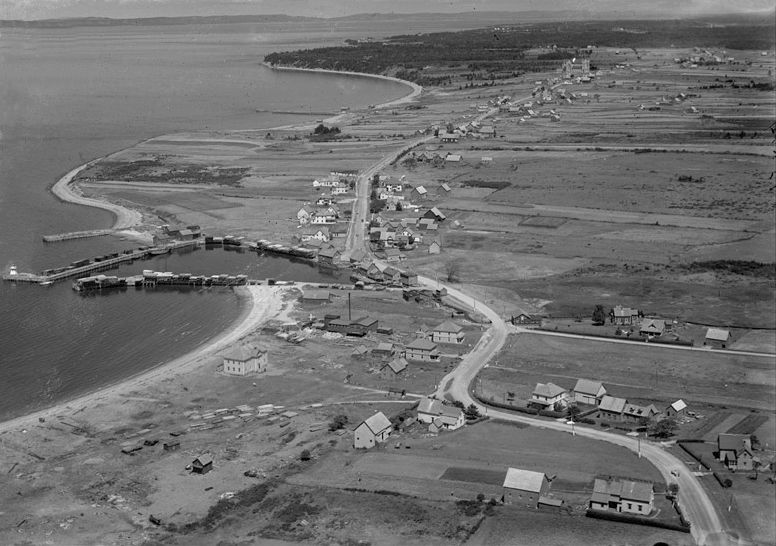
{"x":552,"y":413}
{"x":724,"y":482}
{"x":638,"y":520}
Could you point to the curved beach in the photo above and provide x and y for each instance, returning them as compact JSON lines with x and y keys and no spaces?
{"x":265,"y":303}
{"x":63,"y":189}
{"x":416,"y":89}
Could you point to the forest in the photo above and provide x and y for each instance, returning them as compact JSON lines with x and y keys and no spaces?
{"x":513,"y":48}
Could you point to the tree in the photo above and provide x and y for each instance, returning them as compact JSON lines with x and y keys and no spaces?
{"x":599,"y":315}
{"x":305,"y":455}
{"x":663,"y":428}
{"x":338,"y":422}
{"x":673,"y":489}
{"x":453,"y":270}
{"x":472,"y":412}
{"x":573,"y":410}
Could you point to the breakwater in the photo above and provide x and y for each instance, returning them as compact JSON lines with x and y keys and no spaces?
{"x":76,"y":235}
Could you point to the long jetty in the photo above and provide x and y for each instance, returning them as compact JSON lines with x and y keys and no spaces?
{"x":101,"y":265}
{"x":76,"y":235}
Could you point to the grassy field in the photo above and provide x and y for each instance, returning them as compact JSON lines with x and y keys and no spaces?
{"x":661,"y":375}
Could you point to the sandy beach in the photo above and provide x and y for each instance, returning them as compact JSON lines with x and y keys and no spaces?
{"x":265,"y":303}
{"x":416,"y":89}
{"x":63,"y":189}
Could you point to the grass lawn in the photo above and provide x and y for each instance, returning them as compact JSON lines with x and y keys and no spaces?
{"x":473,"y":475}
{"x":660,"y":374}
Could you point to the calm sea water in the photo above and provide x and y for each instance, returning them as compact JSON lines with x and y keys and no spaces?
{"x":70,"y":95}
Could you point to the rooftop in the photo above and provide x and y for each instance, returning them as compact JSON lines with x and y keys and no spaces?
{"x":612,"y":404}
{"x":525,"y":480}
{"x":377,"y":422}
{"x":588,"y":386}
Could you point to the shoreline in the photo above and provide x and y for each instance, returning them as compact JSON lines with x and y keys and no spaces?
{"x":264,"y":303}
{"x":256,"y":311}
{"x":62,"y":189}
{"x":416,"y":89}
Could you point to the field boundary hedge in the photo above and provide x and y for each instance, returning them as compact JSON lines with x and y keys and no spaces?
{"x":627,"y":518}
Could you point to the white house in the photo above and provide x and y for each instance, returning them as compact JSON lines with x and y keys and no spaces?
{"x":448,"y":332}
{"x":422,"y":349}
{"x":372,"y":431}
{"x":304,"y":215}
{"x":245,"y":360}
{"x":440,"y":416}
{"x":524,"y":487}
{"x":589,"y":392}
{"x":627,"y":496}
{"x":314,"y":234}
{"x":548,"y":394}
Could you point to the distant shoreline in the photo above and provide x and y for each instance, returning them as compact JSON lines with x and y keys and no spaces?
{"x":416,"y":89}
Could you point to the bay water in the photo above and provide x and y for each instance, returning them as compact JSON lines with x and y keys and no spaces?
{"x":74,"y":94}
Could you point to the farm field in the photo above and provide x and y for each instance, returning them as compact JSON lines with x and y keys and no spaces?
{"x":661,"y":375}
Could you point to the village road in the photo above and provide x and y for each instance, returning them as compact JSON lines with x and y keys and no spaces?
{"x":695,"y":503}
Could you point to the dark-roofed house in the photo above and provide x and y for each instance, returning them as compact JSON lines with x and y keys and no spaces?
{"x":316,"y":296}
{"x":338,"y":230}
{"x":735,"y":451}
{"x":548,"y":394}
{"x":397,"y":365}
{"x":524,"y":487}
{"x":383,"y":349}
{"x":202,"y":464}
{"x":652,"y":327}
{"x":391,"y":274}
{"x":423,"y":350}
{"x":409,"y":278}
{"x":356,"y":327}
{"x":589,"y":392}
{"x":624,"y":316}
{"x":371,"y":431}
{"x":435,"y":214}
{"x":448,"y":332}
{"x":717,"y":338}
{"x":628,"y":496}
{"x":327,"y":256}
{"x":245,"y":360}
{"x":637,"y":414}
{"x":611,"y":408}
{"x":439,"y":415}
{"x":393,"y":254}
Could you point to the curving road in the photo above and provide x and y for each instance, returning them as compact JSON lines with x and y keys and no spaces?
{"x":706,"y":528}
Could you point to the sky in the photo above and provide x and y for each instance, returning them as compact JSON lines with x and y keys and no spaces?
{"x":55,"y":9}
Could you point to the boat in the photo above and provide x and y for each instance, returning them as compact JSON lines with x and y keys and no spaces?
{"x":12,"y":271}
{"x":158,"y":251}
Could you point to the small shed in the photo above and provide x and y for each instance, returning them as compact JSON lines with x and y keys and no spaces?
{"x":172,"y":445}
{"x":677,"y":408}
{"x":717,"y":338}
{"x":312,"y":295}
{"x":202,"y":464}
{"x":434,"y":247}
{"x":397,"y":365}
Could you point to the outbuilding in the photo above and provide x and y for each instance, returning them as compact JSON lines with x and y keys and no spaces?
{"x":717,"y":338}
{"x":372,"y":431}
{"x":589,"y":392}
{"x":202,"y":464}
{"x":524,"y":487}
